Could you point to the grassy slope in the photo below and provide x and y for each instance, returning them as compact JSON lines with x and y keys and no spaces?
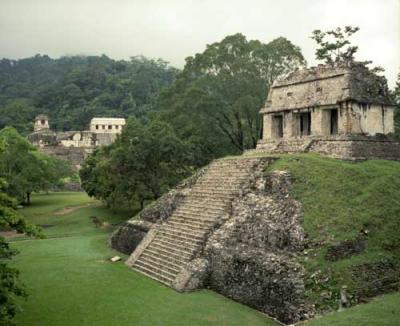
{"x":70,"y":281}
{"x":340,"y":200}
{"x":383,"y":311}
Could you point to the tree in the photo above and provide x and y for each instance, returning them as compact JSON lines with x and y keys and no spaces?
{"x":215,"y":100}
{"x":19,"y":114}
{"x":334,"y":45}
{"x":25,"y":169}
{"x":143,"y":163}
{"x":10,"y":219}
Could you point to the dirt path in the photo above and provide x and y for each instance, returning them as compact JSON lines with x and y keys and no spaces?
{"x":61,"y":212}
{"x":10,"y":234}
{"x":69,"y":209}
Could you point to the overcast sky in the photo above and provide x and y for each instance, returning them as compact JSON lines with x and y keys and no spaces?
{"x":175,"y":29}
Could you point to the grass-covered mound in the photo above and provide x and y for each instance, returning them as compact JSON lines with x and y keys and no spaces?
{"x":352,"y":221}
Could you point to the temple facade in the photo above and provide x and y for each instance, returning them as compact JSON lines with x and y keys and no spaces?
{"x":103,"y":131}
{"x":324,"y":105}
{"x":74,"y":146}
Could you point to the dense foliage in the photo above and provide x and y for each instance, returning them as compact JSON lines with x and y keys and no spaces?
{"x":215,"y":100}
{"x":71,"y":90}
{"x":211,"y":110}
{"x":144,"y":162}
{"x":10,"y":219}
{"x":25,"y":169}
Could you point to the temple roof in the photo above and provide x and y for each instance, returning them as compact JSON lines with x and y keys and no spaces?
{"x":41,"y":117}
{"x":327,"y":85}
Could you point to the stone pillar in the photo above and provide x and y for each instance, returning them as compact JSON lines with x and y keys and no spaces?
{"x":388,"y":120}
{"x":288,"y":124}
{"x":267,"y":127}
{"x":343,"y":117}
{"x":316,"y":122}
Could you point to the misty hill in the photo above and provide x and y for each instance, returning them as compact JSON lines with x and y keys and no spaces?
{"x":71,"y":90}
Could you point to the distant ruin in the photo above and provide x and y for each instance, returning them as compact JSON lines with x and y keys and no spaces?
{"x":74,"y":146}
{"x":342,"y":110}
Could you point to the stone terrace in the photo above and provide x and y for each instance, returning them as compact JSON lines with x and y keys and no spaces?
{"x":168,"y":247}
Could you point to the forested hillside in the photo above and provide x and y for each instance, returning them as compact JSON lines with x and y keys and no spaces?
{"x":71,"y":90}
{"x":210,"y":110}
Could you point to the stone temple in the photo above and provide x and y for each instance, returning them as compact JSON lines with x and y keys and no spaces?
{"x":341,"y":110}
{"x":234,"y":227}
{"x":74,"y":146}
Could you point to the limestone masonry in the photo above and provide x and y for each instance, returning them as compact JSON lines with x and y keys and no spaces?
{"x":341,"y":110}
{"x":229,"y":228}
{"x":74,"y":146}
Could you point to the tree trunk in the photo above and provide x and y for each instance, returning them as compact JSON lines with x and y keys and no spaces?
{"x":28,"y":198}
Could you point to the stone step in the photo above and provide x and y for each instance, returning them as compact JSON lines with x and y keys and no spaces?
{"x":197,"y":228}
{"x":235,"y":163}
{"x":193,"y":231}
{"x":152,"y":275}
{"x":195,"y":222}
{"x":176,"y":244}
{"x":227,"y":177}
{"x":220,"y":179}
{"x":212,"y":204}
{"x":193,"y":234}
{"x":195,"y":218}
{"x":225,"y":172}
{"x":189,"y":225}
{"x":178,"y":236}
{"x":168,"y":254}
{"x":200,"y":209}
{"x":231,"y":176}
{"x":157,"y":272}
{"x":217,"y":188}
{"x":159,"y":262}
{"x":201,"y":218}
{"x":199,"y":198}
{"x":171,"y":250}
{"x":213,"y":194}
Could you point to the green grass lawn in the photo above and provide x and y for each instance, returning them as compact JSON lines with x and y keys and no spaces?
{"x":71,"y":282}
{"x":383,"y":311}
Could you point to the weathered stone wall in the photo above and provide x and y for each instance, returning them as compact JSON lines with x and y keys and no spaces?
{"x":74,"y":155}
{"x":128,"y":236}
{"x":344,"y":147}
{"x":353,"y":118}
{"x":250,"y":256}
{"x":357,"y":149}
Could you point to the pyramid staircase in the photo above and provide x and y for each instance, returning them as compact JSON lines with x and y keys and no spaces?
{"x":176,"y":241}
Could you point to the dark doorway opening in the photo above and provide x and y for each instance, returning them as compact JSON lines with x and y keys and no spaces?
{"x":305,"y":124}
{"x":278,"y":126}
{"x":334,"y":122}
